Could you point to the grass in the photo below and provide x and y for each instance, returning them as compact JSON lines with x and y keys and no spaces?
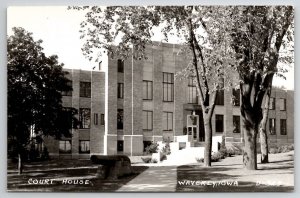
{"x":64,"y":169}
{"x":278,"y":175}
{"x":279,"y":171}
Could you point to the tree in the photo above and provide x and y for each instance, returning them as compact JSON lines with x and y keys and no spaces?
{"x":257,"y":35}
{"x":35,"y":83}
{"x":126,"y":31}
{"x":286,"y":58}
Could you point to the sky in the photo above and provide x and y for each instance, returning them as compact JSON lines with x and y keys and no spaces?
{"x":59,"y":30}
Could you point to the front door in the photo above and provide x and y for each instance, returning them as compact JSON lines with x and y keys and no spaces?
{"x":192,"y":130}
{"x":193,"y":126}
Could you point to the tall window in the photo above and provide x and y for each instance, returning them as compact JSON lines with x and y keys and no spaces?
{"x":95,"y":118}
{"x":85,"y":89}
{"x":65,"y":146}
{"x":282,"y":104}
{"x":147,"y":90}
{"x":120,"y":90}
{"x":236,"y":124}
{"x":147,"y":120}
{"x":219,"y":123}
{"x":220,"y":97}
{"x":236,"y":97}
{"x":120,"y":119}
{"x":102,"y":119}
{"x":67,"y":93}
{"x":168,"y":87}
{"x":84,"y":118}
{"x":120,"y":66}
{"x":272,"y":103}
{"x":192,"y":91}
{"x":68,"y":117}
{"x":84,"y":146}
{"x":283,"y":127}
{"x":272,"y":126}
{"x":167,"y":121}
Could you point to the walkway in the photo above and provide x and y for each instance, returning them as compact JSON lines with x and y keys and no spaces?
{"x":154,"y":179}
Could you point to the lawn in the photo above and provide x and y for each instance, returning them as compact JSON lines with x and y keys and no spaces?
{"x":60,"y":171}
{"x":278,"y":175}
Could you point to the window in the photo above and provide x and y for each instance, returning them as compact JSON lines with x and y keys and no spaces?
{"x":65,"y":146}
{"x":282,"y":104}
{"x":84,"y":118}
{"x":272,"y":126}
{"x":120,"y":66}
{"x":85,"y":89}
{"x":192,"y":91}
{"x":120,"y":146}
{"x":95,"y":118}
{"x":236,"y":97}
{"x":67,"y":93}
{"x":147,"y":90}
{"x":282,"y":126}
{"x":167,"y":121}
{"x":120,"y":119}
{"x":102,"y":119}
{"x":220,"y":97}
{"x":147,"y":120}
{"x":84,"y":146}
{"x":120,"y":90}
{"x":272,"y":103}
{"x":67,"y":116}
{"x":236,"y":124}
{"x":219,"y":123}
{"x":168,"y":87}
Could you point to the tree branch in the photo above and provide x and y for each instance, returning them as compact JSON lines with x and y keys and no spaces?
{"x":192,"y":46}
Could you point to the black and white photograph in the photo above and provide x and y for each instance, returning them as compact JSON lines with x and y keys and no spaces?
{"x":190,"y":98}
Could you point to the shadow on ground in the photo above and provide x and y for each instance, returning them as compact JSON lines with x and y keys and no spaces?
{"x":37,"y":172}
{"x":229,"y":176}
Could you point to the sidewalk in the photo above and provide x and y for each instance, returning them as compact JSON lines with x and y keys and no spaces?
{"x":154,"y":179}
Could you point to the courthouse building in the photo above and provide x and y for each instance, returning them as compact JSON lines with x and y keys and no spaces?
{"x":132,"y":103}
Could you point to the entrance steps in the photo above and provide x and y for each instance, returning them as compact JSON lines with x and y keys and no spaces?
{"x":184,"y":156}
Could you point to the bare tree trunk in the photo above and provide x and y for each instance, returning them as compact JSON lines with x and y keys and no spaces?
{"x":251,"y":113}
{"x":264,"y":145}
{"x":250,"y":152}
{"x":208,"y":140}
{"x":20,"y":164}
{"x":263,"y":133}
{"x":263,"y":128}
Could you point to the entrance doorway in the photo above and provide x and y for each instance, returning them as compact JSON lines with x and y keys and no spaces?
{"x":193,"y":126}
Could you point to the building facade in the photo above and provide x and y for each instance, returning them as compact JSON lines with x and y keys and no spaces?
{"x":136,"y":102}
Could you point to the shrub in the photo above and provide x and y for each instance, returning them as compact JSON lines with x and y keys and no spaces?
{"x":152,"y":148}
{"x":291,"y":147}
{"x":230,"y":152}
{"x":223,"y":153}
{"x":273,"y":150}
{"x":153,"y":161}
{"x":163,"y":156}
{"x":166,"y":149}
{"x":281,"y":149}
{"x":217,"y":156}
{"x":200,"y":160}
{"x":146,"y":159}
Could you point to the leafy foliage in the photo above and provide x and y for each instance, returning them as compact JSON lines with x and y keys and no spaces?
{"x":35,"y":83}
{"x":152,"y":148}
